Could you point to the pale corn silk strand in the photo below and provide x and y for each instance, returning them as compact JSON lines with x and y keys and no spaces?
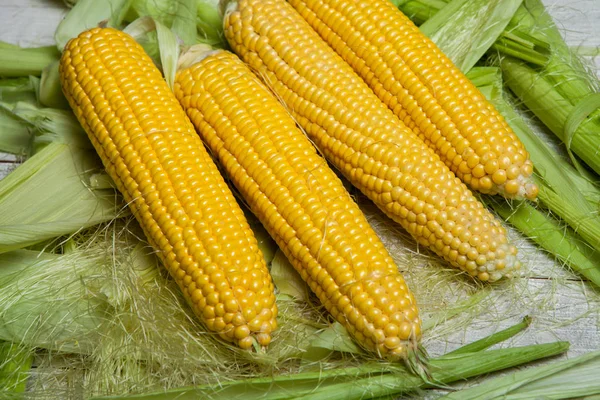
{"x":301,"y":202}
{"x":412,"y":76}
{"x":189,"y":215}
{"x":365,"y":140}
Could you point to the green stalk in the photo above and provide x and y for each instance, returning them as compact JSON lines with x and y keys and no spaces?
{"x":586,"y":224}
{"x":15,"y":62}
{"x":493,"y":339}
{"x":542,"y":96}
{"x":551,"y":235}
{"x":447,"y":369}
{"x":352,"y":383}
{"x":567,"y":379}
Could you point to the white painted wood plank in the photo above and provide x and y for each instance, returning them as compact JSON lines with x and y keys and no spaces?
{"x":6,"y":168}
{"x":5,"y":157}
{"x":30,"y":26}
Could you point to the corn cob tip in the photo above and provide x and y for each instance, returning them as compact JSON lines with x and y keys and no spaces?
{"x":503,"y":267}
{"x":513,"y":182}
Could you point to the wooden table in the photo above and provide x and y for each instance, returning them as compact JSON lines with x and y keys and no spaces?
{"x":562,"y":306}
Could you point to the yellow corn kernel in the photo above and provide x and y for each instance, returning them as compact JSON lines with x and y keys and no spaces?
{"x":301,"y":202}
{"x":365,"y":140}
{"x":189,"y":215}
{"x":412,"y":76}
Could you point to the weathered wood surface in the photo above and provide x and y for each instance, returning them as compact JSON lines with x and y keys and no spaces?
{"x":555,"y":298}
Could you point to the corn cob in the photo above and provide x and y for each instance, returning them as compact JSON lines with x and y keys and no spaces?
{"x":300,"y":201}
{"x":412,"y":76}
{"x":189,"y":215}
{"x":365,"y":140}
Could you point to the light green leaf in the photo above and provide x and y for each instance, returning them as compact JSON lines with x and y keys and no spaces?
{"x":559,"y":380}
{"x":336,"y":338}
{"x":167,"y":44}
{"x":87,"y":14}
{"x":49,"y":196}
{"x":465,"y":29}
{"x":286,"y":279}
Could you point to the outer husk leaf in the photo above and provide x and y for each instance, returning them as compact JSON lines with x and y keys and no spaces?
{"x":560,"y":380}
{"x":87,"y":14}
{"x":49,"y":196}
{"x":481,"y":21}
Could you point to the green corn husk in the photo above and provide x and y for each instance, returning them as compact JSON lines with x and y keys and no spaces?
{"x":164,"y":40}
{"x":574,"y":378}
{"x":49,"y":195}
{"x":176,"y":15}
{"x":48,"y":125}
{"x":16,"y":61}
{"x":420,"y":11}
{"x":15,"y":137}
{"x":565,"y":83}
{"x":22,"y":89}
{"x":184,"y":23}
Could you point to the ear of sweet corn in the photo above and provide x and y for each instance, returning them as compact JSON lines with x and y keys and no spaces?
{"x":300,"y":201}
{"x":411,"y":75}
{"x":189,"y":215}
{"x":365,"y":140}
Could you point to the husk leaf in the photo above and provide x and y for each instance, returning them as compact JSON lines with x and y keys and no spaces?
{"x":49,"y":195}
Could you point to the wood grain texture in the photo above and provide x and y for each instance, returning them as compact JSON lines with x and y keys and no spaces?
{"x":563,"y":307}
